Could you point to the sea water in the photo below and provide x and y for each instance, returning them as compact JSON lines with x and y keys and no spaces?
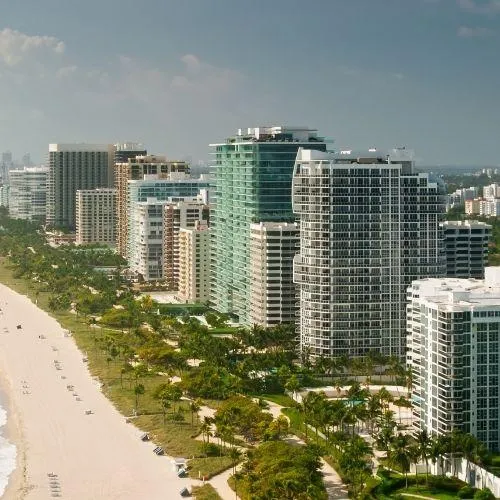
{"x":8,"y":453}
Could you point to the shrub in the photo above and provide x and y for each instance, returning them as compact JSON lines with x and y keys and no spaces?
{"x":484,"y":494}
{"x":211,"y":450}
{"x":466,"y":492}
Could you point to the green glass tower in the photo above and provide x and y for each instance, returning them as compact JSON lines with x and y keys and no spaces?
{"x":253,"y":182}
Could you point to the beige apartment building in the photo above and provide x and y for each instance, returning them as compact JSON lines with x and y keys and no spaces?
{"x":183,"y":214}
{"x":273,"y":295}
{"x":95,"y":216}
{"x":194,"y":263}
{"x":138,"y":168}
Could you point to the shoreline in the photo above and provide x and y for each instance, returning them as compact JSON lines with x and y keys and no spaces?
{"x":95,"y":455}
{"x":13,"y":433}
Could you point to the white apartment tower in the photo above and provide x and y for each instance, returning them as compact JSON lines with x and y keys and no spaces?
{"x":369,"y":226}
{"x":153,"y":235}
{"x":73,"y":167}
{"x":28,"y":193}
{"x":466,"y":246}
{"x":273,"y":295}
{"x":194,"y":263}
{"x":96,"y":216}
{"x":453,"y":348}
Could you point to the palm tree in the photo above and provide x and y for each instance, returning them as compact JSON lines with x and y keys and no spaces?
{"x":424,"y":443}
{"x":235,"y":455}
{"x":206,"y":426}
{"x":194,"y":406}
{"x":399,"y":454}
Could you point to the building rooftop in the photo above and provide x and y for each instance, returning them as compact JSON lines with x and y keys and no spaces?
{"x":466,"y":223}
{"x":281,"y":133}
{"x":368,"y":156}
{"x":83,"y":146}
{"x":458,"y":293}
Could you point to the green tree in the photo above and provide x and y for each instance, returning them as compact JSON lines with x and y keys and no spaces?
{"x":139,"y":390}
{"x":399,"y":455}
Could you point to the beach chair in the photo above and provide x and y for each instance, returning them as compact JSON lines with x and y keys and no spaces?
{"x":145,"y":437}
{"x":185,"y":492}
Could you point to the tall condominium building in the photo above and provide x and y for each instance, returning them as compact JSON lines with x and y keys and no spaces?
{"x":182,"y":214}
{"x":73,"y":167}
{"x":136,"y":168}
{"x":369,"y":226}
{"x":253,"y":179}
{"x":96,"y":216}
{"x":453,"y":349}
{"x":466,"y":245}
{"x":273,"y":295}
{"x":28,"y":193}
{"x":194,"y":263}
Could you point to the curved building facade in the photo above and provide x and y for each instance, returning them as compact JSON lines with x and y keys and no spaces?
{"x":369,"y":226}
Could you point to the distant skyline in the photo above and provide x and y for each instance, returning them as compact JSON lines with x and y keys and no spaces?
{"x":177,"y":76}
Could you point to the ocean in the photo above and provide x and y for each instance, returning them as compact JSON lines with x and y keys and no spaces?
{"x":8,"y":453}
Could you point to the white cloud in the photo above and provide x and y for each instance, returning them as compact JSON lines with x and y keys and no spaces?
{"x":480,"y":6}
{"x":15,"y":45}
{"x":192,"y":63}
{"x":477,"y":32}
{"x":66,"y":71}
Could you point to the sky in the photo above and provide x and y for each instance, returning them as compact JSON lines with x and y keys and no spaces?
{"x":178,"y":75}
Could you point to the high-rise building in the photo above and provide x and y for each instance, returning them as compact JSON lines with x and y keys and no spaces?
{"x":453,"y":349}
{"x":136,"y":168}
{"x":273,"y":295}
{"x":466,"y":245}
{"x":194,"y":263}
{"x":182,"y":214}
{"x":96,"y":216}
{"x":73,"y":167}
{"x":5,"y":166}
{"x":128,"y":150}
{"x":369,"y":226}
{"x":253,"y":178}
{"x":4,"y":195}
{"x":28,"y":193}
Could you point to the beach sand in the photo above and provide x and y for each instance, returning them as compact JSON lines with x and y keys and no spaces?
{"x":96,"y":456}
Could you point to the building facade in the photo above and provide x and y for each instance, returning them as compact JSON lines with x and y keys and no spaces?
{"x":96,"y":216}
{"x":273,"y":295}
{"x":253,"y":178}
{"x":369,"y":226}
{"x":73,"y":167}
{"x":194,"y":263}
{"x":136,"y":168}
{"x":182,"y":214}
{"x":28,"y":193}
{"x":154,"y":224}
{"x":466,"y":246}
{"x":453,"y":348}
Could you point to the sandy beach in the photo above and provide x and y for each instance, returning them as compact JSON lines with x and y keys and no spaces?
{"x":62,"y":451}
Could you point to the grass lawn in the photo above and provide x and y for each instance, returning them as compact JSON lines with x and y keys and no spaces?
{"x":279,"y":399}
{"x":424,"y":492}
{"x":205,"y":492}
{"x":176,"y":438}
{"x":209,"y":467}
